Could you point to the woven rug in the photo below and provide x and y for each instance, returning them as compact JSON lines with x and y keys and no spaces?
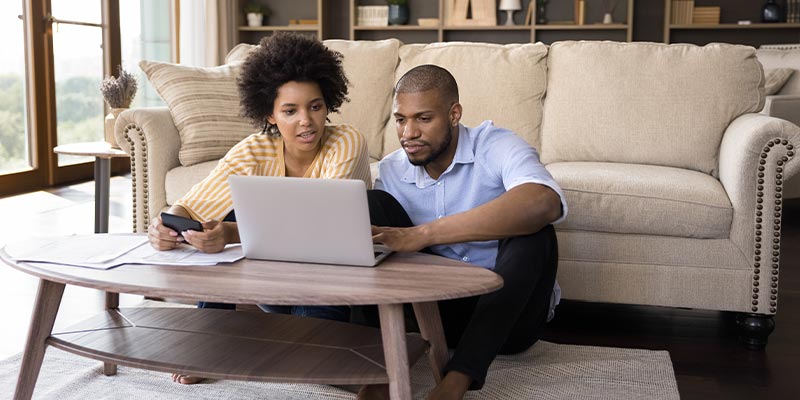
{"x":545,"y":371}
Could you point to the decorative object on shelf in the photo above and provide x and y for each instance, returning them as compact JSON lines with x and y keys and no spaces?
{"x":608,"y":9}
{"x":706,"y":15}
{"x":541,"y":18}
{"x":255,"y":14}
{"x":580,"y":11}
{"x":398,"y":12}
{"x":428,"y":22}
{"x":373,"y":15}
{"x":483,"y":13}
{"x":509,"y":6}
{"x":771,"y":12}
{"x":293,"y":22}
{"x":118,"y":94}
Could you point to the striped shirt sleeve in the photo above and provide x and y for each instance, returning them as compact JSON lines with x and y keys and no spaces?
{"x":347,"y":156}
{"x":211,"y":198}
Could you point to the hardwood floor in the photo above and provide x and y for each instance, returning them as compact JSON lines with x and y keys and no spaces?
{"x":709,"y":362}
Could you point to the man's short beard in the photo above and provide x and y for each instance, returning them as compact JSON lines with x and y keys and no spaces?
{"x":435,"y":153}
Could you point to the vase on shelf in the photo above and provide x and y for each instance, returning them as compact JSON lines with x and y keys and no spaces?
{"x":108,"y":127}
{"x":771,"y":12}
{"x":398,"y":14}
{"x":254,"y":19}
{"x":541,"y":10}
{"x":607,"y":19}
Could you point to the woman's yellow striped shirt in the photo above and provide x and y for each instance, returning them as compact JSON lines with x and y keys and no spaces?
{"x":343,"y":155}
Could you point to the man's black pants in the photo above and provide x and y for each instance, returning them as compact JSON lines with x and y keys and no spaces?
{"x":506,"y":321}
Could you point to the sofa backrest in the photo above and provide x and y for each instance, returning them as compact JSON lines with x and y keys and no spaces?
{"x":504,"y":83}
{"x":646,"y":103}
{"x":782,"y":56}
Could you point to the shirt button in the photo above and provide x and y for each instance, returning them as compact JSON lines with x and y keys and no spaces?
{"x":465,"y":259}
{"x":440,"y":216}
{"x":438,"y":183}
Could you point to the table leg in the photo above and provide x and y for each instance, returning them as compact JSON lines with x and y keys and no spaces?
{"x":102,"y":181}
{"x":430,"y":325}
{"x":393,"y":332}
{"x":48,"y":299}
{"x":112,"y":302}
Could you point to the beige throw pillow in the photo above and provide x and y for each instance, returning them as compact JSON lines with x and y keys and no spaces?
{"x":204,"y":103}
{"x":776,"y":78}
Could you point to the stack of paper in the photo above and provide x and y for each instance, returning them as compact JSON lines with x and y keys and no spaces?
{"x":105,"y":251}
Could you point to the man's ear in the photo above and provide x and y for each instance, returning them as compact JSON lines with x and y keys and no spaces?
{"x":455,"y":114}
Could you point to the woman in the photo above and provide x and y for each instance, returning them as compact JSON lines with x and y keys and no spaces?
{"x":289,"y":84}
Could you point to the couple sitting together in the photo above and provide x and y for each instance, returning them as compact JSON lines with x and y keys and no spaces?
{"x":479,"y":195}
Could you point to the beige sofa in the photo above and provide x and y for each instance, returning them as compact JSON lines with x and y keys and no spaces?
{"x":673,"y":178}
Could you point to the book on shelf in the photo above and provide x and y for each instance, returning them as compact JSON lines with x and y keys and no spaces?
{"x":793,"y":11}
{"x":682,"y":12}
{"x":303,"y":22}
{"x":706,"y":15}
{"x":580,"y":11}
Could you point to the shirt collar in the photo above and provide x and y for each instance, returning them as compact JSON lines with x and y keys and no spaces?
{"x":465,"y":154}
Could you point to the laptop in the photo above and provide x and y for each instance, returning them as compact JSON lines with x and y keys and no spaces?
{"x":305,"y":220}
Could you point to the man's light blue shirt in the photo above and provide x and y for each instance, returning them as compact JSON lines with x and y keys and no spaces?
{"x":489,"y":161}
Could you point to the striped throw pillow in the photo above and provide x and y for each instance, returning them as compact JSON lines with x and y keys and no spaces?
{"x":204,"y":103}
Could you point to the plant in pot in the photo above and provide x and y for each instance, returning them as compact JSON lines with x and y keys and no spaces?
{"x":256,"y":13}
{"x":398,"y":12}
{"x":118,"y":94}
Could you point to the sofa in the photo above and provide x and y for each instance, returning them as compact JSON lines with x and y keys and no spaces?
{"x":781,"y":62}
{"x":674,"y":179}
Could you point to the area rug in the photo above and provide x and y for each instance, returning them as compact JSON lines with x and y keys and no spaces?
{"x":545,"y":371}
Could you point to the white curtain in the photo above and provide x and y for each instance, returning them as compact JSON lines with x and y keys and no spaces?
{"x":207,"y":30}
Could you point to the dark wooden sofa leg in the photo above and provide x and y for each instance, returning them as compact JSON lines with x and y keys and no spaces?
{"x":754,"y":329}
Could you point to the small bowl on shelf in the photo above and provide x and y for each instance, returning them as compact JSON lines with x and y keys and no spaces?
{"x":428,"y":22}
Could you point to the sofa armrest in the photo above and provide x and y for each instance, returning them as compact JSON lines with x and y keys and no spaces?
{"x":757,"y":154}
{"x":150,"y":137}
{"x":784,"y":106}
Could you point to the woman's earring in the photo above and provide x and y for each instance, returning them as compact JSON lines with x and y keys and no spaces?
{"x":273,"y":130}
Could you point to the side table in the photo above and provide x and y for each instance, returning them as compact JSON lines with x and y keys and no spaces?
{"x":102,"y":153}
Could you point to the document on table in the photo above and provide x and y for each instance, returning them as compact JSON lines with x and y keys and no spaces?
{"x":105,"y":251}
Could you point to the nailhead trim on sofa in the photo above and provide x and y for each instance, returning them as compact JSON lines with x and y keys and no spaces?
{"x":776,"y":222}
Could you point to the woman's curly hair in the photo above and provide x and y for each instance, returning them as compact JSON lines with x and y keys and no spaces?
{"x":285,"y":57}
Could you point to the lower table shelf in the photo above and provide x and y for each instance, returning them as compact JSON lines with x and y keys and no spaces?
{"x":221,"y":344}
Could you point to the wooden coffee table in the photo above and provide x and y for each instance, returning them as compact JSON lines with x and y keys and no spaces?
{"x":250,"y":346}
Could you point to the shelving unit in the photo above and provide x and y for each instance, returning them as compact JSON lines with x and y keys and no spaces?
{"x":498,"y":33}
{"x":282,"y":13}
{"x":710,"y":30}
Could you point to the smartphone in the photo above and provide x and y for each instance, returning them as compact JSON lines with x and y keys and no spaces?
{"x":180,"y":224}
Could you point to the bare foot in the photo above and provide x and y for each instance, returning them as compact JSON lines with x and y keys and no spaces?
{"x":373,"y":392}
{"x":453,"y":386}
{"x":186,"y":379}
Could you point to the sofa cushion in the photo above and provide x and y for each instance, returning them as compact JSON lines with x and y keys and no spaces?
{"x":643,"y":199}
{"x":775,"y":79}
{"x":504,"y":83}
{"x":646,"y":103}
{"x":204,"y":103}
{"x":787,"y":57}
{"x":369,"y":66}
{"x":180,"y":179}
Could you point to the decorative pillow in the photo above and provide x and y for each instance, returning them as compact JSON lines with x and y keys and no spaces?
{"x":783,"y":57}
{"x":204,"y":103}
{"x":776,"y":78}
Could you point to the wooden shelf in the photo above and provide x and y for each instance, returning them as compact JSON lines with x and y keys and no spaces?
{"x":588,"y":27}
{"x":489,"y":28}
{"x":271,"y":28}
{"x":396,"y":28}
{"x":737,"y":26}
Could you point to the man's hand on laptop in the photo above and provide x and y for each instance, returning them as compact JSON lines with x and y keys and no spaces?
{"x":210,"y":240}
{"x":400,"y":239}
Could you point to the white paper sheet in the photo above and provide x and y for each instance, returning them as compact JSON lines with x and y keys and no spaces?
{"x":105,"y":251}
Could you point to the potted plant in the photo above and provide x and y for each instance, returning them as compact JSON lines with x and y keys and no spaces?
{"x":398,"y":12}
{"x":255,"y":13}
{"x":118,"y":94}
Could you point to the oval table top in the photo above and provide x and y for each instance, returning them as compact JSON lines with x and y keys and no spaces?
{"x":91,"y":149}
{"x":401,"y":278}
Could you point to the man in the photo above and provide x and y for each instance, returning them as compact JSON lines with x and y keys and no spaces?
{"x":474,"y":194}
